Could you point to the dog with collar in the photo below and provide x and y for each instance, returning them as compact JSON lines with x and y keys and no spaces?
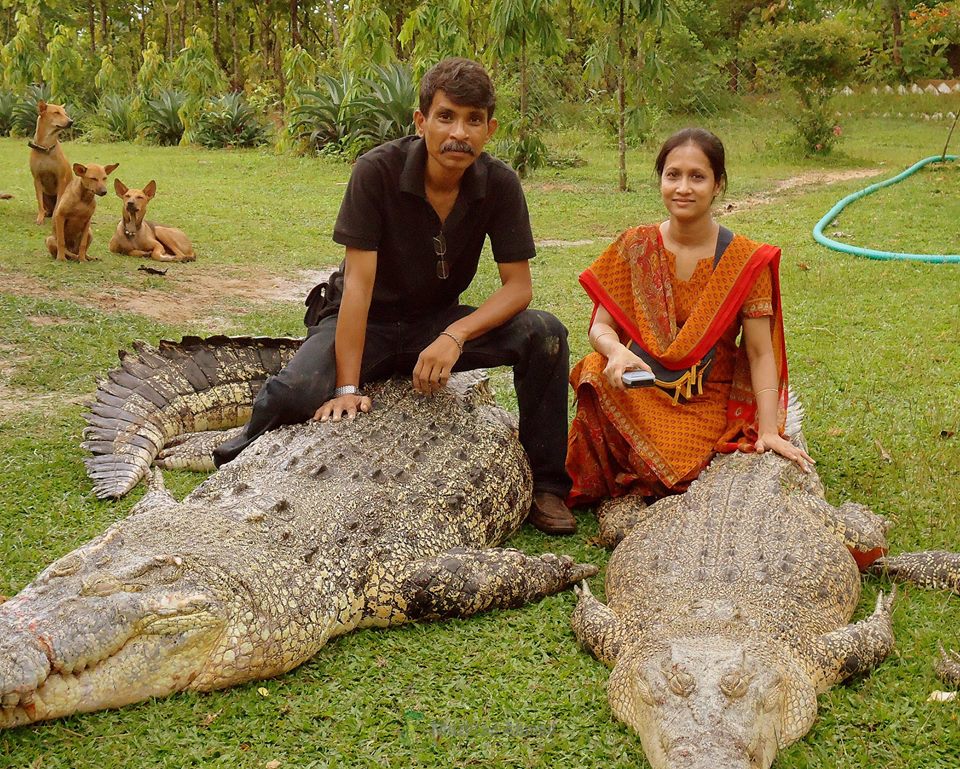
{"x":48,"y":163}
{"x":71,"y":218}
{"x":137,"y":237}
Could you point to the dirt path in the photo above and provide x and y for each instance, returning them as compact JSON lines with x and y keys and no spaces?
{"x":799,"y":182}
{"x":189,"y":292}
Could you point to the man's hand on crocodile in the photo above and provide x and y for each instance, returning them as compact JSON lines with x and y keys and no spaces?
{"x":347,"y":406}
{"x":435,"y":364}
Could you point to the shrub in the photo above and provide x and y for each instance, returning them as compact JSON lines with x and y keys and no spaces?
{"x":522,"y":146}
{"x":25,"y":110}
{"x":813,"y":59}
{"x":385,"y":110}
{"x":8,"y":100}
{"x":324,"y":116}
{"x":160,"y":117}
{"x":116,"y":116}
{"x":230,"y":121}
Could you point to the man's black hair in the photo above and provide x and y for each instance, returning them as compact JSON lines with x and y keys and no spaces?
{"x":465,"y":82}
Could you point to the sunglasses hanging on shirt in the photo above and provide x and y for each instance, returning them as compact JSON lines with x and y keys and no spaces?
{"x":440,"y":249}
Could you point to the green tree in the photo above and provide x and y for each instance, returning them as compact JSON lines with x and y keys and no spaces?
{"x":611,"y":54}
{"x":439,"y":28}
{"x":63,"y":69}
{"x":516,"y":27}
{"x":20,"y":58}
{"x":200,"y":77}
{"x":814,"y":59}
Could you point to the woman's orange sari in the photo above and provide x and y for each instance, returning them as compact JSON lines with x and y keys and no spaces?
{"x":641,"y":440}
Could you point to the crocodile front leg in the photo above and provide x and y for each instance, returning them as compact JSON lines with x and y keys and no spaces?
{"x":936,"y":569}
{"x":619,"y":516}
{"x":462,"y":582}
{"x":855,"y":648}
{"x":597,"y":627}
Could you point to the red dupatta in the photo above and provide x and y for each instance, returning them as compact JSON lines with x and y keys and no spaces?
{"x":633,"y":282}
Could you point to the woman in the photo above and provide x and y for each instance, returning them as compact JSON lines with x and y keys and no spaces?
{"x":675,"y":297}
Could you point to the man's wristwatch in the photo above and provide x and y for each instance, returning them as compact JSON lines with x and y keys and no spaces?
{"x":346,"y":390}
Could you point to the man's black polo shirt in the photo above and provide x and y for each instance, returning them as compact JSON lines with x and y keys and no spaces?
{"x":385,"y":209}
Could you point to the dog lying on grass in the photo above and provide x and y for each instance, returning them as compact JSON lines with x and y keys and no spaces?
{"x":48,"y":163}
{"x":71,"y":217}
{"x":136,"y":237}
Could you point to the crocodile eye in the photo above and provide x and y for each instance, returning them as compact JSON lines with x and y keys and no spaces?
{"x":734,"y":685}
{"x":679,"y":679}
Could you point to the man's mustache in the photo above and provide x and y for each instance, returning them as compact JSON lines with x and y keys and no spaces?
{"x":456,"y":146}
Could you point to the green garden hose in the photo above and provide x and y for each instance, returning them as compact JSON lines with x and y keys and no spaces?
{"x":870,"y":253}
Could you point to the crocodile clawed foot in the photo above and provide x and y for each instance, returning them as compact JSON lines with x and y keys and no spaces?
{"x":948,"y":666}
{"x":573,"y":572}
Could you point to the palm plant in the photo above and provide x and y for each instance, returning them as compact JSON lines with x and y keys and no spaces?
{"x":117,"y":116}
{"x":25,"y":110}
{"x":325,"y":116}
{"x":385,"y":111}
{"x":229,"y":121}
{"x":8,"y":101}
{"x":160,"y":117}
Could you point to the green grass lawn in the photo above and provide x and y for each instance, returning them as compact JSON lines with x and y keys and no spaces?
{"x":874,"y":355}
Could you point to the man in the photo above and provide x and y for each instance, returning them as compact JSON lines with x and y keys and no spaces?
{"x":413,"y":221}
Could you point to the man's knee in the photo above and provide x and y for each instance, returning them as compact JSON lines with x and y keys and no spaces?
{"x":286,"y":398}
{"x":546,"y":332}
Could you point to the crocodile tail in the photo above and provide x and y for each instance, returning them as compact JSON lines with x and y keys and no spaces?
{"x":174,"y":388}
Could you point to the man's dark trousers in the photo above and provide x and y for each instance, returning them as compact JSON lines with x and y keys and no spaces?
{"x":533,"y":342}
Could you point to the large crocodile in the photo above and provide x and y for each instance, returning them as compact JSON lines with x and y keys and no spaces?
{"x":314,"y":531}
{"x":728,"y":608}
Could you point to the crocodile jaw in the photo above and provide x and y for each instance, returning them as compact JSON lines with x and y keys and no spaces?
{"x":162,"y":651}
{"x":146,"y":666}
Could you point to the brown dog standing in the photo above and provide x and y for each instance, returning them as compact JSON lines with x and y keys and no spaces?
{"x":136,"y":237}
{"x":71,"y":218}
{"x":48,"y":164}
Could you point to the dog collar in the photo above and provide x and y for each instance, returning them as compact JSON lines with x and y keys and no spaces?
{"x":38,"y":148}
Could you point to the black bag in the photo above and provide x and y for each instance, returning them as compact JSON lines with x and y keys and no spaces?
{"x":686,"y":383}
{"x":323,"y":299}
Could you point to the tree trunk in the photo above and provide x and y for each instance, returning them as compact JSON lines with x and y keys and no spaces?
{"x":334,"y":24}
{"x":295,"y":38}
{"x":217,"y":47}
{"x":621,"y":105}
{"x":235,"y":43}
{"x":168,"y":33}
{"x":104,"y":28}
{"x":182,"y":6}
{"x":143,"y":26}
{"x":92,"y":23}
{"x":897,"y":17}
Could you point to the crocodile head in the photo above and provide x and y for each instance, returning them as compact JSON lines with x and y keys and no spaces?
{"x":92,"y":633}
{"x":703,"y":703}
{"x":113,"y":623}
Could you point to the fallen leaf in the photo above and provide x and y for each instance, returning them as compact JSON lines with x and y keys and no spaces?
{"x":943,"y":434}
{"x":938,"y":696}
{"x":884,"y":454}
{"x":151,"y":270}
{"x":839,"y":234}
{"x":803,"y":266}
{"x":263,"y":691}
{"x":244,"y":746}
{"x":5,"y":196}
{"x":210,"y":718}
{"x":381,"y":662}
{"x":836,"y":431}
{"x":272,"y":764}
